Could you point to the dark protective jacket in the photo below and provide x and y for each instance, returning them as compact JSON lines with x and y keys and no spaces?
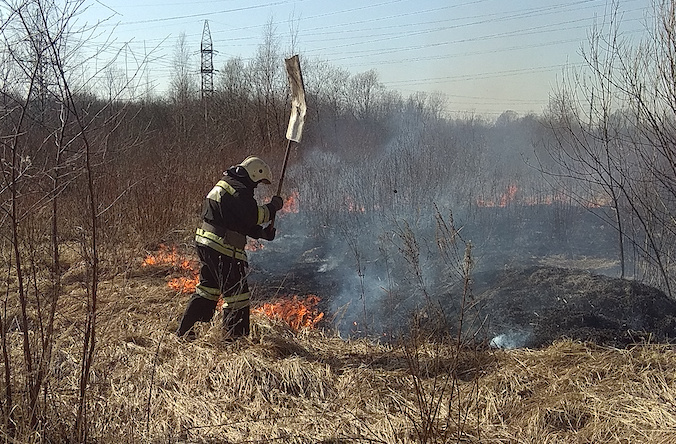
{"x":230,"y":214}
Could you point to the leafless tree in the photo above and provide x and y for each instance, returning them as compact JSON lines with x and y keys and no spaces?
{"x":233,"y":95}
{"x":269,"y":90}
{"x":51,"y":147}
{"x":327,"y":87}
{"x":365,"y":88}
{"x":183,"y":82}
{"x":615,"y":131}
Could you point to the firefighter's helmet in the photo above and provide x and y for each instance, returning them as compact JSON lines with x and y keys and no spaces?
{"x":257,"y":169}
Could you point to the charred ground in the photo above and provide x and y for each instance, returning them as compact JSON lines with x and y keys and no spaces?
{"x":537,"y":305}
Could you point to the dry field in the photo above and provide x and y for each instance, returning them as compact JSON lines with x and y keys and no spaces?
{"x":311,"y":386}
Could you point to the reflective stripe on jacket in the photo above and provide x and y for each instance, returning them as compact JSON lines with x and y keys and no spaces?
{"x":222,"y":187}
{"x":231,"y":212}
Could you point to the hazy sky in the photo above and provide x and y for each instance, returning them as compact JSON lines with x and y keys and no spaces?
{"x":486,"y":56}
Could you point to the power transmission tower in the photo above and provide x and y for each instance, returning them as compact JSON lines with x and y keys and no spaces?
{"x":207,"y":51}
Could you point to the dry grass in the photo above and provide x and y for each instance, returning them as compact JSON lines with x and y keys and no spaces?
{"x":571,"y":392}
{"x":313,"y":387}
{"x":595,"y":264}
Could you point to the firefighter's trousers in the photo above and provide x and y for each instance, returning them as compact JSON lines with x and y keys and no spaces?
{"x":219,"y":275}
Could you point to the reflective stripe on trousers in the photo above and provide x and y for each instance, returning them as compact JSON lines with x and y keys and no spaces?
{"x":237,"y":301}
{"x":210,"y":293}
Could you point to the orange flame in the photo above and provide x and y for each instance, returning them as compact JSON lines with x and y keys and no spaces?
{"x":290,"y":204}
{"x":167,"y":256}
{"x":183,"y":284}
{"x":508,"y":196}
{"x":254,"y":245}
{"x":297,"y":313}
{"x":594,"y":201}
{"x":598,"y":202}
{"x":353,"y":207}
{"x":170,"y":256}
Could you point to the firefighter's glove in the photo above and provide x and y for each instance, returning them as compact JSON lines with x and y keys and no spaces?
{"x":269,"y":233}
{"x":276,"y":203}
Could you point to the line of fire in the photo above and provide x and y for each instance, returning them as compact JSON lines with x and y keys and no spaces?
{"x":309,"y":260}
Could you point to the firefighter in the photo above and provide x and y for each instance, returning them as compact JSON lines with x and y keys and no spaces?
{"x":230,"y":214}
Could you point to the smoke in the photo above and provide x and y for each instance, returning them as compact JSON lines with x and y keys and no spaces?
{"x":511,"y":339}
{"x":372,"y":269}
{"x":381,"y":233}
{"x":376,"y":264}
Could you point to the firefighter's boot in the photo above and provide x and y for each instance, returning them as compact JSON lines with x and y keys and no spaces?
{"x":198,"y":309}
